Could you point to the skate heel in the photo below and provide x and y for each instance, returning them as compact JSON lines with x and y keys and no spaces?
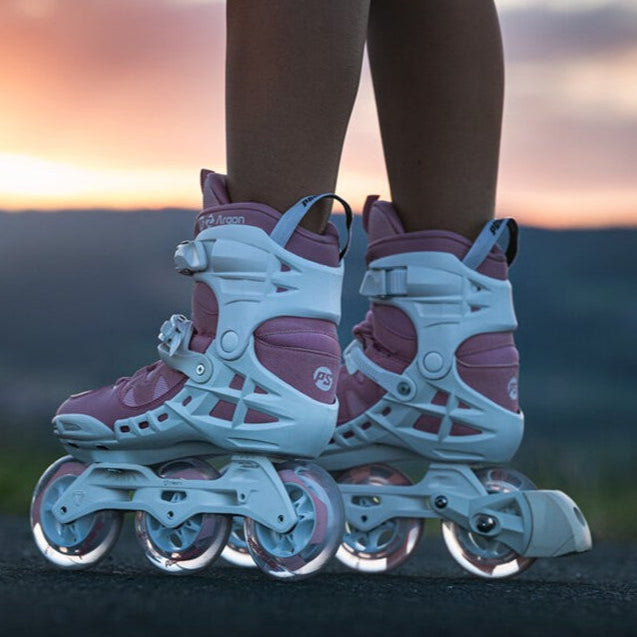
{"x":558,"y":527}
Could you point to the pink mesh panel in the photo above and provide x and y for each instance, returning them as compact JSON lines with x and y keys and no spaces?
{"x":302,"y":352}
{"x":258,"y":417}
{"x":489,"y":363}
{"x":223,"y":410}
{"x":237,"y":382}
{"x":430,"y":424}
{"x":458,"y":429}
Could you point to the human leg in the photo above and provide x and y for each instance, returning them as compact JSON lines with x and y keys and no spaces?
{"x":252,"y":374}
{"x":438,"y":77}
{"x":432,"y":372}
{"x":292,"y":74}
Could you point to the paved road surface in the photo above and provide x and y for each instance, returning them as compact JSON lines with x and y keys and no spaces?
{"x":592,"y":594}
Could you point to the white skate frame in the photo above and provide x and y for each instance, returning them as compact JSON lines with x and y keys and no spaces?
{"x":250,"y":487}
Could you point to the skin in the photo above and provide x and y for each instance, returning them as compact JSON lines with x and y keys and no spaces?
{"x":293,"y":70}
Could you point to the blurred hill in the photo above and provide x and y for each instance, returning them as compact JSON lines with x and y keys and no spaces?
{"x":83,"y":295}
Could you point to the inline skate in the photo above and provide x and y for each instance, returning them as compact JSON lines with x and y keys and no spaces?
{"x":433,"y":374}
{"x":250,"y":377}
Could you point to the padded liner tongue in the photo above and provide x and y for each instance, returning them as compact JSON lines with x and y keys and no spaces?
{"x":387,"y":237}
{"x":218,"y":211}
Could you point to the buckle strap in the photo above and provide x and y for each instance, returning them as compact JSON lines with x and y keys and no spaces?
{"x":400,"y":386}
{"x":385,"y":282}
{"x":174,"y":336}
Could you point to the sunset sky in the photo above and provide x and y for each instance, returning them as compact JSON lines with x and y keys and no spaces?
{"x":118,"y":103}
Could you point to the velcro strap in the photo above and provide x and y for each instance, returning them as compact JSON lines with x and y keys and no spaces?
{"x":291,"y":218}
{"x":490,"y":235}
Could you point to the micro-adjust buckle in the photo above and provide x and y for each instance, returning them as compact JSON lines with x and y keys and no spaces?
{"x":175,"y":335}
{"x":174,"y":331}
{"x":190,"y":256}
{"x":382,"y":282}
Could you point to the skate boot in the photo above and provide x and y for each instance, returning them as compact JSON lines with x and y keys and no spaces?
{"x":433,"y":375}
{"x":251,"y":377}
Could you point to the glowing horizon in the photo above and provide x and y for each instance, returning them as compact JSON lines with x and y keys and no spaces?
{"x":92,"y":117}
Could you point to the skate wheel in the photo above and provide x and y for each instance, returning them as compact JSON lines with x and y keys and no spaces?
{"x":236,"y":549}
{"x":75,"y":545}
{"x":482,"y":556}
{"x":389,"y":544}
{"x":313,"y":540}
{"x":194,"y":544}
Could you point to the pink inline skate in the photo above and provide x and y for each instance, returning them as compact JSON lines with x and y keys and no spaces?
{"x":433,"y":375}
{"x":251,"y":376}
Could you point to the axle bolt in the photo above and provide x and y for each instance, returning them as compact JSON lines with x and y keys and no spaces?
{"x":403,"y":388}
{"x":441,"y":502}
{"x":485,"y":523}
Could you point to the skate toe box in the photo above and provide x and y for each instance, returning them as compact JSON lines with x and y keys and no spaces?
{"x":91,"y":411}
{"x":74,"y":426}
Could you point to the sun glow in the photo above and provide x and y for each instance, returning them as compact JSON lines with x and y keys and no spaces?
{"x":30,"y":182}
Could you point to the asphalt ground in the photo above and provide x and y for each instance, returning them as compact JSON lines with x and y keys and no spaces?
{"x":588,"y":594}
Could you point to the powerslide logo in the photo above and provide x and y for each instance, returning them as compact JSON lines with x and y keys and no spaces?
{"x":308,"y":200}
{"x":323,"y":378}
{"x":512,"y":388}
{"x":217,"y":219}
{"x":495,"y":225}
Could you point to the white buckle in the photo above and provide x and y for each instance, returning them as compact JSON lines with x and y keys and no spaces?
{"x":382,"y":282}
{"x":174,"y":331}
{"x":190,"y":256}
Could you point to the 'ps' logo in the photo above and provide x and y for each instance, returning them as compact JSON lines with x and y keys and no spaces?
{"x":512,"y":388}
{"x":323,"y":378}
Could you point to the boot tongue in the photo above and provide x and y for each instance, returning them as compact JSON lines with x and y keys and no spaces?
{"x":220,"y":211}
{"x":387,"y":237}
{"x":214,"y":189}
{"x":380,"y":220}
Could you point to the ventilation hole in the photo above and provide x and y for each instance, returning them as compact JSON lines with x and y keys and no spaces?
{"x":440,"y":398}
{"x":124,"y":429}
{"x":237,"y":382}
{"x":223,"y":410}
{"x":143,"y":424}
{"x":285,"y":267}
{"x":281,"y":290}
{"x":259,"y":390}
{"x":348,"y":434}
{"x":72,"y":444}
{"x":386,"y":411}
{"x":101,"y":447}
{"x":254,"y":416}
{"x":430,"y":424}
{"x":162,"y":417}
{"x":475,"y":308}
{"x":186,"y":400}
{"x":462,"y":405}
{"x":331,"y":442}
{"x":463,"y":430}
{"x":366,"y":425}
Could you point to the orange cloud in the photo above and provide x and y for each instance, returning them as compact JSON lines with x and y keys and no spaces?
{"x":120,"y":102}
